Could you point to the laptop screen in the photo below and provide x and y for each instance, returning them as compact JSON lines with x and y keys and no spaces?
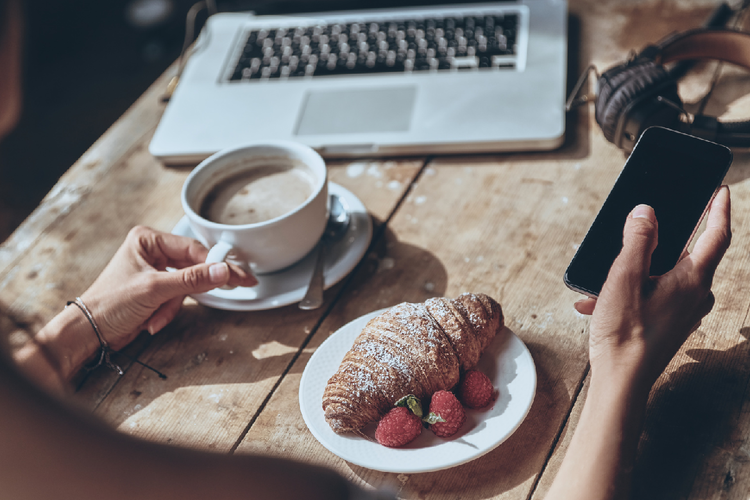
{"x":270,"y":7}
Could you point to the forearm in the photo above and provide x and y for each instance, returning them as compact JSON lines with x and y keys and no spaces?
{"x":58,"y":350}
{"x":599,"y":461}
{"x":52,"y":451}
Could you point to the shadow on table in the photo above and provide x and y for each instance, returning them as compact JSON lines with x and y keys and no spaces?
{"x":689,"y":428}
{"x":390,"y":273}
{"x":509,"y":465}
{"x":221,"y":364}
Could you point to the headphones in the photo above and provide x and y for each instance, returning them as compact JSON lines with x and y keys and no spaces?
{"x":642,"y":92}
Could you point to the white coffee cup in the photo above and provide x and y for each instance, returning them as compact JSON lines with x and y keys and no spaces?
{"x":268,"y":245}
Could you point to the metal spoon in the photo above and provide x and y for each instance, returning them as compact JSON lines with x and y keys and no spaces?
{"x":338,"y":222}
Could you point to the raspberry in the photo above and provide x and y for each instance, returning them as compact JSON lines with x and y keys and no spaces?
{"x":398,"y":427}
{"x":475,"y":390}
{"x":445,"y":405}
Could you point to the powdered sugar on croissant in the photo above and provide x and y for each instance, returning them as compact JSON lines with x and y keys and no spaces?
{"x":409,"y":349}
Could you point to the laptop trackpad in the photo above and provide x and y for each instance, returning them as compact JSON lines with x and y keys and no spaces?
{"x":357,"y":111}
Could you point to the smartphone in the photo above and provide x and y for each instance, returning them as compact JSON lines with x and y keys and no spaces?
{"x":676,"y":174}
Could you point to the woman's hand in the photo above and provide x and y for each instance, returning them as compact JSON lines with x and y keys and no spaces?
{"x":639,"y":322}
{"x":135,"y":293}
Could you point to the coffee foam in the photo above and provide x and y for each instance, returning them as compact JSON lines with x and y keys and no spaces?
{"x":256,"y":190}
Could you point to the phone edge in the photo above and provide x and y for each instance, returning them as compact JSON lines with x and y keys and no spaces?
{"x":684,"y":253}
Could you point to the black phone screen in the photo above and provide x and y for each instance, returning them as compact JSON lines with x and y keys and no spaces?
{"x":676,"y":174}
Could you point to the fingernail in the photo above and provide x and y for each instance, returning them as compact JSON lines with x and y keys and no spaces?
{"x":219,"y":272}
{"x":156,"y":326}
{"x":643,"y":212}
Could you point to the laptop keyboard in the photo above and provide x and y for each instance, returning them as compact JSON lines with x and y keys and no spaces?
{"x":392,"y":46}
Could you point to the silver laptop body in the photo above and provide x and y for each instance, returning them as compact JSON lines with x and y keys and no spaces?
{"x":235,"y":88}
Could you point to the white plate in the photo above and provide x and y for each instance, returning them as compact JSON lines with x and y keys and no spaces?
{"x":289,"y":285}
{"x":508,"y":364}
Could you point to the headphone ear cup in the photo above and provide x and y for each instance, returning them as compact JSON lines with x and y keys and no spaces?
{"x":623,"y":85}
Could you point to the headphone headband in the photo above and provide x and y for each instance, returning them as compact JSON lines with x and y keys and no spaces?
{"x":725,"y":45}
{"x":642,"y":92}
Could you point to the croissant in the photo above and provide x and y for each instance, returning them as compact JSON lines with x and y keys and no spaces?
{"x":409,"y":349}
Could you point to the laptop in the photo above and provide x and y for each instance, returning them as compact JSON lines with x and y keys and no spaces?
{"x":443,"y":79}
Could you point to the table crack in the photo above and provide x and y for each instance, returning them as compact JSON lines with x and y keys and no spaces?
{"x":559,"y":433}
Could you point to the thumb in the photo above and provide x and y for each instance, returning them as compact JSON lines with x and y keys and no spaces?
{"x":199,"y":278}
{"x":639,"y":240}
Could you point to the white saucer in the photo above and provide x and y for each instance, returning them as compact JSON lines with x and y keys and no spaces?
{"x":507,"y":362}
{"x":289,"y":285}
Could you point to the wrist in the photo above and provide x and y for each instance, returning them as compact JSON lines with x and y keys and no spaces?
{"x":617,"y":384}
{"x":69,"y":341}
{"x":624,"y":367}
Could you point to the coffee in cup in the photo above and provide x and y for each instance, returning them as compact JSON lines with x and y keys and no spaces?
{"x":263,"y":206}
{"x":258,"y":194}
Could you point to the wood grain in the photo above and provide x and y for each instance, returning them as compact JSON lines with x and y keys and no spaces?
{"x":221,"y":365}
{"x":482,"y":225}
{"x":506,"y":225}
{"x":695,"y":431}
{"x":694,"y":439}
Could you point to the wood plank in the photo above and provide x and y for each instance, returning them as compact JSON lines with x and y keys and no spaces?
{"x":82,"y":237}
{"x":504,"y":225}
{"x":116,"y":185}
{"x":118,"y":160}
{"x":221,"y":365}
{"x":696,"y":427}
{"x":128,"y":136}
{"x":134,"y":129}
{"x":695,"y":432}
{"x":553,"y":465}
{"x":692,"y":444}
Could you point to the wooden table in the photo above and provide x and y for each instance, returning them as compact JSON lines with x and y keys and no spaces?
{"x":505,"y":224}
